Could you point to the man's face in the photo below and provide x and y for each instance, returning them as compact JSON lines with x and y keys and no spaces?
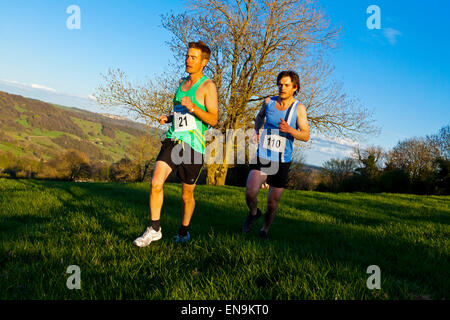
{"x":194,"y":61}
{"x":286,"y":88}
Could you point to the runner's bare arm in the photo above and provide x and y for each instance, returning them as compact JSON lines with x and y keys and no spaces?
{"x":302,"y":122}
{"x":210,"y":116}
{"x":163,"y":119}
{"x":259,"y":121}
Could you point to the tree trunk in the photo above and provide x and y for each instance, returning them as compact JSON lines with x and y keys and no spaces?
{"x":217,"y":174}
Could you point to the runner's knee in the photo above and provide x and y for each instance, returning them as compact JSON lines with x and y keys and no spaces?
{"x":251,"y":194}
{"x":188,"y":196}
{"x":272,"y":203}
{"x":157,"y":186}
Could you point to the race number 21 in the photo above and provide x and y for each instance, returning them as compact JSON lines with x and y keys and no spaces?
{"x":184,"y":121}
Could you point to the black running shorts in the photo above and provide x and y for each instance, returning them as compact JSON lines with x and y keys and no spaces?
{"x":185,"y":161}
{"x":276,"y":179}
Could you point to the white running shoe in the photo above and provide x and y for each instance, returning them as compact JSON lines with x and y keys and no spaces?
{"x":149,"y":235}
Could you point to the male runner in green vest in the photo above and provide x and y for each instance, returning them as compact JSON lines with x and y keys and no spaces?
{"x":195,"y":107}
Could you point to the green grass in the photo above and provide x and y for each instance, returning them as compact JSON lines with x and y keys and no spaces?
{"x":45,"y":142}
{"x":19,"y":108}
{"x":123,"y":136}
{"x":90,"y":128}
{"x":319,"y":246}
{"x":23,"y":121}
{"x":93,"y":130}
{"x":48,"y":133}
{"x":65,"y":108}
{"x":6,"y":146}
{"x":114,"y":149}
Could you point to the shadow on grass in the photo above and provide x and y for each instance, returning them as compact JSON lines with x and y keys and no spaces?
{"x":382,"y":207}
{"x":117,"y":199}
{"x":398,"y":258}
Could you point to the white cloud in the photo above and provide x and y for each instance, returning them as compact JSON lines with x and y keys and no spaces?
{"x":41,"y":87}
{"x":337,"y":141}
{"x":13,"y":82}
{"x":28,"y":85}
{"x":47,"y":94}
{"x":392,"y":35}
{"x":346,"y":153}
{"x":336,"y":147}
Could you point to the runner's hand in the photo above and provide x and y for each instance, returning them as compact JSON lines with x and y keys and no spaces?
{"x":255,"y":138}
{"x":284,"y":127}
{"x":163,"y":119}
{"x":187,"y":103}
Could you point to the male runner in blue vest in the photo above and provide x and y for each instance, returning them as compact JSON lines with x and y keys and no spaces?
{"x":284,"y":120}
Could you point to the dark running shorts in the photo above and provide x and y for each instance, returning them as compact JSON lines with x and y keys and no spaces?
{"x":278,"y":179}
{"x":186,"y":162}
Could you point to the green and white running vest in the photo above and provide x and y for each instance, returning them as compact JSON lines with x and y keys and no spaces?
{"x":186,"y":126}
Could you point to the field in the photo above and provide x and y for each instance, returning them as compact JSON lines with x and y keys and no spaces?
{"x":319,"y":247}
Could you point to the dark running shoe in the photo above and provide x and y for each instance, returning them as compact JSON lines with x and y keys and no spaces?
{"x":181,"y":239}
{"x":262,"y":234}
{"x":249,"y":221}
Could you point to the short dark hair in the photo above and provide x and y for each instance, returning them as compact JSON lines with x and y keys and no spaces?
{"x":206,"y":52}
{"x":295,"y":79}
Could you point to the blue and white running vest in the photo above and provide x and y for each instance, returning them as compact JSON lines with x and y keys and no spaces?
{"x":273,"y":144}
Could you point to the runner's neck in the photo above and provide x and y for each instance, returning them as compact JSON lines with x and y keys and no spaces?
{"x":285,"y":103}
{"x":193,"y":78}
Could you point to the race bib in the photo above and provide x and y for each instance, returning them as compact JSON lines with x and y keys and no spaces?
{"x":183,"y":120}
{"x":274,"y":142}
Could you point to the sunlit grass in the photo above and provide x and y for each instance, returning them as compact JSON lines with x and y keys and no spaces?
{"x":319,"y":246}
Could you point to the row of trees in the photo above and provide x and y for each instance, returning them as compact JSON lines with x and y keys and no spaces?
{"x":415,"y":165}
{"x":75,"y":165}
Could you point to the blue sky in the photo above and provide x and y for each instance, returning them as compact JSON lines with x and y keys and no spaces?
{"x":402,"y":71}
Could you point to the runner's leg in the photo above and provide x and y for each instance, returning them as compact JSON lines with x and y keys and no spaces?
{"x":188,"y":203}
{"x":254,"y":182}
{"x":273,"y":197}
{"x":162,"y":171}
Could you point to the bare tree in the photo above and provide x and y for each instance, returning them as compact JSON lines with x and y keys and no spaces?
{"x":442,"y":141}
{"x":414,"y":155}
{"x":145,"y":101}
{"x":73,"y":164}
{"x":143,"y":152}
{"x":251,"y":42}
{"x":124,"y":170}
{"x":369,"y":159}
{"x":337,"y":170}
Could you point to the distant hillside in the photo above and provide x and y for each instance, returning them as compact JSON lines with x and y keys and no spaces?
{"x":310,"y":168}
{"x":41,"y":130}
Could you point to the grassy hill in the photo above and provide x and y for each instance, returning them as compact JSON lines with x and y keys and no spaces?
{"x":319,"y":247}
{"x":40,"y":130}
